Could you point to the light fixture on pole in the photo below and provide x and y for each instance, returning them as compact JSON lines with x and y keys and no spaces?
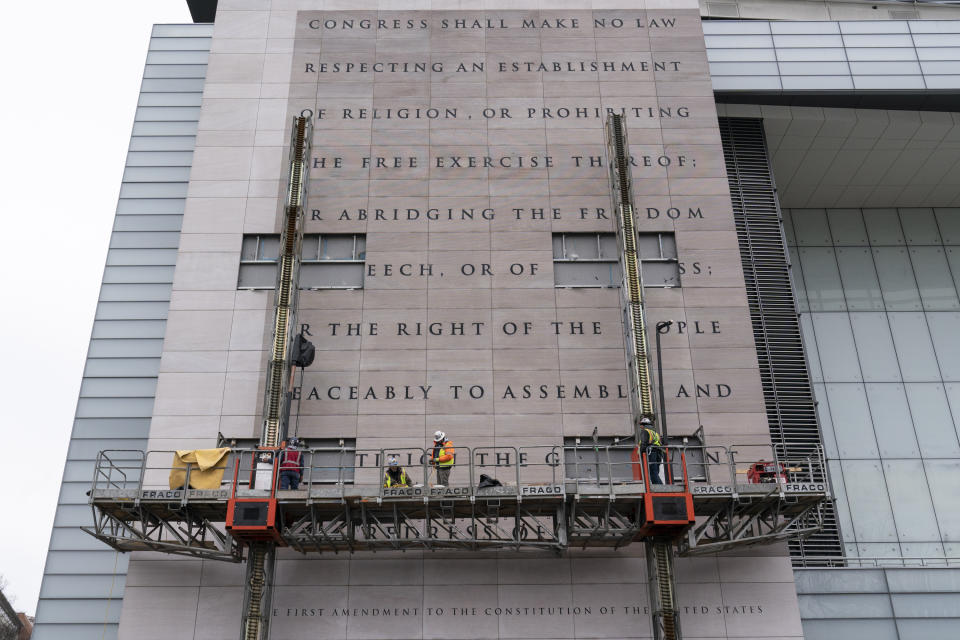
{"x":662,"y":327}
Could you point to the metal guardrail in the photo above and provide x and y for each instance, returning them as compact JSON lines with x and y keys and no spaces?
{"x":838,"y":562}
{"x":577,"y":469}
{"x":545,"y":497}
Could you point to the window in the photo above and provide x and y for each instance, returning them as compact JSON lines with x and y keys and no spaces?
{"x":258,"y":262}
{"x":593,"y":260}
{"x":658,"y":259}
{"x":327,"y":460}
{"x":333,"y":261}
{"x":333,"y":461}
{"x":698,"y":459}
{"x":586,"y":260}
{"x":609,"y":459}
{"x":329,"y":261}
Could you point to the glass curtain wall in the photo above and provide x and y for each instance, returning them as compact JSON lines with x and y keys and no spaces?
{"x":877,"y":290}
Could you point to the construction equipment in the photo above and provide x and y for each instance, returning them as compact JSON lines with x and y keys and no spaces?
{"x":669,"y":514}
{"x":550,"y":500}
{"x":763,"y":471}
{"x":253,"y":520}
{"x":544,"y":501}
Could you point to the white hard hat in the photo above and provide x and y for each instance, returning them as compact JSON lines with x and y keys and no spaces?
{"x":438,"y":436}
{"x":646,"y":420}
{"x":392,"y":461}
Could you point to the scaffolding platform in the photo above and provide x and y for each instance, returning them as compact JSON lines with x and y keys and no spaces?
{"x":560,"y":502}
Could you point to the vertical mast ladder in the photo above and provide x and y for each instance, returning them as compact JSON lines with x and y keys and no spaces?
{"x":666,"y":622}
{"x":261,"y":556}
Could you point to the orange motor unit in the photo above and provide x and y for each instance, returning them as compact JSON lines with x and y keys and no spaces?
{"x":765,"y":471}
{"x":667,"y":514}
{"x":253,"y":519}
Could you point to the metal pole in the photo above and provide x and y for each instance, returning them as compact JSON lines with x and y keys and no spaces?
{"x":662,"y":327}
{"x":596,"y":452}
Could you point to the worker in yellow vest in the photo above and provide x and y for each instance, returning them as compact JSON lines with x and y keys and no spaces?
{"x":395,"y":475}
{"x":650,"y":444}
{"x":442,"y":458}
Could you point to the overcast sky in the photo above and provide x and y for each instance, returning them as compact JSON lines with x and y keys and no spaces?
{"x":71,"y":76}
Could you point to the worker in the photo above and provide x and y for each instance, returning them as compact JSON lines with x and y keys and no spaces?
{"x":650,"y":444}
{"x":291,"y":466}
{"x":442,"y":458}
{"x":395,"y":475}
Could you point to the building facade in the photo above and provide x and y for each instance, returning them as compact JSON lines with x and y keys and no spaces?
{"x":457,"y":276}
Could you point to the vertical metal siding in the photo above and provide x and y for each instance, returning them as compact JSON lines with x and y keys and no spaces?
{"x":787,"y":390}
{"x":83,"y":583}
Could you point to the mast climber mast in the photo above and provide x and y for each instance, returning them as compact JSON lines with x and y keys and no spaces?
{"x":666,"y":619}
{"x":261,"y":555}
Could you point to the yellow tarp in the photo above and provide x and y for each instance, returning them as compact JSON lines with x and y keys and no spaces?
{"x":206,"y":468}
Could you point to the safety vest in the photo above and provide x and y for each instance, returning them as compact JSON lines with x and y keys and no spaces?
{"x":403,"y":482}
{"x":654,"y":437}
{"x":290,"y":460}
{"x":445,"y":451}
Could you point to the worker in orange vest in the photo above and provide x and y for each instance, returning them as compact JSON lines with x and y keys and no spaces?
{"x":442,"y":458}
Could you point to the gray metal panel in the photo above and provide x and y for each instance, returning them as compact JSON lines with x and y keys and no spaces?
{"x":853,"y":629}
{"x":129,"y":328}
{"x":159,"y":158}
{"x":117,"y":387}
{"x":108,"y":428}
{"x":132,"y":292}
{"x":827,"y":56}
{"x":82,"y":586}
{"x":125,"y":347}
{"x":79,"y":562}
{"x":180,"y":44}
{"x":148,"y":206}
{"x":166,"y":256}
{"x":182,"y":31}
{"x":175,"y":71}
{"x":163,"y":100}
{"x":873,"y":603}
{"x":156,"y":174}
{"x":86,"y":610}
{"x":178,"y":57}
{"x":112,"y":367}
{"x":840,"y":581}
{"x":115,"y":408}
{"x":84,"y":580}
{"x":76,"y":631}
{"x":145,"y":239}
{"x":132,"y":310}
{"x":859,"y":605}
{"x":174,"y":84}
{"x":153,"y":190}
{"x":147,"y":222}
{"x":167,"y":114}
{"x":924,"y":580}
{"x":129,"y":274}
{"x":165,"y":128}
{"x":70,"y":539}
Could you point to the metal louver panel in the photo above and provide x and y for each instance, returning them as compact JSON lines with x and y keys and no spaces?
{"x":787,"y":391}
